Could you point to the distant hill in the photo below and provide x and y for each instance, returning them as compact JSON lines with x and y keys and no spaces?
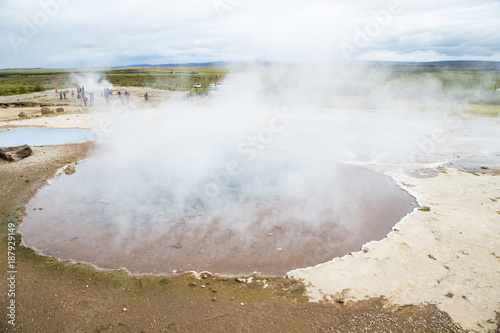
{"x":471,"y":65}
{"x":433,"y":65}
{"x":192,"y":64}
{"x":440,"y":65}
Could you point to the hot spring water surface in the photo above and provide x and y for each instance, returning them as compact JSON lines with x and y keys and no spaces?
{"x":40,"y":136}
{"x":270,"y":214}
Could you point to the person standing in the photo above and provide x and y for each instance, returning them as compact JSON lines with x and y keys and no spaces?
{"x":106,"y":95}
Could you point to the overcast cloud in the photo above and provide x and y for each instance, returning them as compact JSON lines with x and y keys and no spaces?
{"x":92,"y":33}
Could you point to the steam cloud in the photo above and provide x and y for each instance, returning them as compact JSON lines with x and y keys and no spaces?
{"x":261,"y":156}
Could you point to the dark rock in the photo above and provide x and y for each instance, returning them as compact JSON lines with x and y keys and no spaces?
{"x":22,"y":114}
{"x":70,"y":169}
{"x":46,"y":110}
{"x":14,"y":154}
{"x":59,"y":110}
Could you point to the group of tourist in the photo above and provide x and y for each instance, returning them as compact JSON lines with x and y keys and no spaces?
{"x":87,"y":99}
{"x":123,"y":96}
{"x":84,"y":97}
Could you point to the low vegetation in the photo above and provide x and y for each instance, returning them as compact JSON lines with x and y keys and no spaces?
{"x":472,"y":84}
{"x":22,"y":81}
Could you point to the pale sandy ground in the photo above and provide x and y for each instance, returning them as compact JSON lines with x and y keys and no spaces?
{"x":75,"y":113}
{"x":84,"y":120}
{"x":449,"y":256}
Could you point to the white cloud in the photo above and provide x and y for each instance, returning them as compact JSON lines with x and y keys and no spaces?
{"x":70,"y":33}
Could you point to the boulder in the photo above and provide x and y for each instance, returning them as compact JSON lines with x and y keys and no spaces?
{"x":59,"y":110}
{"x":22,"y":114}
{"x":14,"y":154}
{"x":46,"y":110}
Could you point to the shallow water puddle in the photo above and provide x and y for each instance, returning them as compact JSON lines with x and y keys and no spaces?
{"x":41,"y":136}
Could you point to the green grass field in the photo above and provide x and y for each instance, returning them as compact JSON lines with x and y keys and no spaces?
{"x":471,"y":84}
{"x":21,"y":81}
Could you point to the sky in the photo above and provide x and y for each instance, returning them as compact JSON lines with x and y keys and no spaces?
{"x":96,"y":33}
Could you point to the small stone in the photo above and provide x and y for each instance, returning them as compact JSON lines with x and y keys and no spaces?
{"x":279,"y":249}
{"x":22,"y":114}
{"x":46,"y":110}
{"x":59,"y":110}
{"x":124,"y":309}
{"x":70,"y":169}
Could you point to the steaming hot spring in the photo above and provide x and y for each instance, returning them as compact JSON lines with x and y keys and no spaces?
{"x":164,"y":208}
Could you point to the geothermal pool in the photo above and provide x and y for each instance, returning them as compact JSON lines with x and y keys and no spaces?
{"x":40,"y":136}
{"x":212,"y":211}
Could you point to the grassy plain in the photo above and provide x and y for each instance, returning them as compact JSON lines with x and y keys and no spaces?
{"x":473,"y":85}
{"x":21,"y":81}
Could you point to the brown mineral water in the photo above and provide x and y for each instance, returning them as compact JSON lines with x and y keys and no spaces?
{"x":275,"y":215}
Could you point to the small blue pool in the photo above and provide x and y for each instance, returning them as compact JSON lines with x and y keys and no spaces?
{"x":41,"y":136}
